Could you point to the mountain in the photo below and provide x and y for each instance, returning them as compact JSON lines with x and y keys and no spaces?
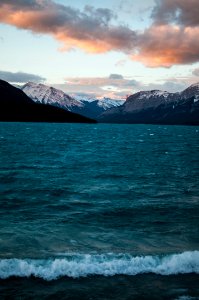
{"x":48,"y":95}
{"x":15,"y":105}
{"x":157,"y":107}
{"x":95,"y":107}
{"x":88,"y":107}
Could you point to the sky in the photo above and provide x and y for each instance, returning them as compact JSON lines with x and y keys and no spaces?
{"x":101,"y":48}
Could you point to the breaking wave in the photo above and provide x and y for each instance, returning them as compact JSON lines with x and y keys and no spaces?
{"x":82,"y":265}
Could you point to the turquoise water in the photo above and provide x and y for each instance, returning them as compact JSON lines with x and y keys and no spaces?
{"x":100,"y":204}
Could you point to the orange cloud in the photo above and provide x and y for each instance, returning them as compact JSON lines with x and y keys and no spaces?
{"x":167,"y":45}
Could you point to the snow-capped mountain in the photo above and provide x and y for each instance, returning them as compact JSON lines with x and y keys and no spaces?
{"x":107,"y":103}
{"x":191,"y":91}
{"x":86,"y":106}
{"x":49,"y":95}
{"x":157,"y":107}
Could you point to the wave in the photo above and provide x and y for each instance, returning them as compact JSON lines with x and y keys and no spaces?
{"x":82,"y":265}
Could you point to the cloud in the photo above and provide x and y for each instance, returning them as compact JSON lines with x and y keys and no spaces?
{"x":195,"y":72}
{"x":167,"y":45}
{"x":181,"y":12}
{"x":132,"y":83}
{"x":171,"y":39}
{"x":120,"y":63}
{"x":98,"y":87}
{"x":171,"y":85}
{"x":89,"y":29}
{"x":115,"y":76}
{"x":20,"y":77}
{"x":126,"y":6}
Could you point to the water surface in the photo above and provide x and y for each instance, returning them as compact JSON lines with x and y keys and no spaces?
{"x":99,"y":200}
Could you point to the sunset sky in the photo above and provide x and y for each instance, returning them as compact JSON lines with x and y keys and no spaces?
{"x":100,"y":48}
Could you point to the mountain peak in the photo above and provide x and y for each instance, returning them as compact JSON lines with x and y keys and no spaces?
{"x":49,"y":95}
{"x":194,"y":85}
{"x":192,"y":90}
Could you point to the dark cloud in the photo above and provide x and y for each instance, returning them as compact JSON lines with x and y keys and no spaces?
{"x":181,"y":12}
{"x":23,"y":4}
{"x":20,"y":77}
{"x":105,"y":14}
{"x":115,"y":76}
{"x":132,"y":83}
{"x":172,"y":85}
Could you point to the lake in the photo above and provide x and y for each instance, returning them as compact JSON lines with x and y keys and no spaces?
{"x":99,"y":211}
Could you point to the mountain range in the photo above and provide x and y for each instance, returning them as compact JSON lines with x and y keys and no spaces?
{"x":88,"y":107}
{"x":39,"y":102}
{"x":15,"y":105}
{"x":157,"y":107}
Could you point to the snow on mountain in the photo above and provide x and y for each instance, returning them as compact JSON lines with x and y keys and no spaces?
{"x":88,"y":107}
{"x":49,"y":95}
{"x":107,"y":103}
{"x":84,"y":98}
{"x":196,"y":99}
{"x":149,"y":94}
{"x":191,"y":91}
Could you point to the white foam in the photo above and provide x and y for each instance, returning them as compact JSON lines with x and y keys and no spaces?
{"x":81,"y":265}
{"x":187,"y":298}
{"x":196,"y":99}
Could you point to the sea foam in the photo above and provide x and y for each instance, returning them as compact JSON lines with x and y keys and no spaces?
{"x":81,"y":265}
